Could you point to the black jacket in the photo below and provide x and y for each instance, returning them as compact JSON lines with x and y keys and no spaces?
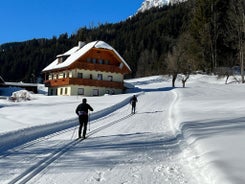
{"x":82,"y":109}
{"x":133,"y":100}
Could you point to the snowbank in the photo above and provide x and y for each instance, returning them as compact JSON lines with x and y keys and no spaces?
{"x":22,"y":95}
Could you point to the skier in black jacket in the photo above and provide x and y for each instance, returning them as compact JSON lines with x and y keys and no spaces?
{"x":82,"y":112}
{"x":133,"y":103}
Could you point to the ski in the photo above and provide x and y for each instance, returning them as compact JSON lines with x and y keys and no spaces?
{"x":79,"y":138}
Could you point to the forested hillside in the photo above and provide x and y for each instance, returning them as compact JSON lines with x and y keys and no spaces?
{"x":195,"y":35}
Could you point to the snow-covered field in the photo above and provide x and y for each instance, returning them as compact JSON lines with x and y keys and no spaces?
{"x":186,"y":135}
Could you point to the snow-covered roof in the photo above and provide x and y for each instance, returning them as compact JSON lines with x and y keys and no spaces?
{"x":20,"y":84}
{"x":76,"y":52}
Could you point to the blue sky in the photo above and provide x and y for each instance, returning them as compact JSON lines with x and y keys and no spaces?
{"x":28,"y":19}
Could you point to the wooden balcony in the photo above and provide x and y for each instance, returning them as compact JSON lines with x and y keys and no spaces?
{"x":100,"y":67}
{"x":85,"y":82}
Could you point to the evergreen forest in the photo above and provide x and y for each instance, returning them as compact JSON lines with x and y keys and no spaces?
{"x":181,"y":38}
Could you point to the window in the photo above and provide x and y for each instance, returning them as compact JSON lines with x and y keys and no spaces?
{"x":121,"y":65}
{"x":101,"y":61}
{"x":61,"y":91}
{"x":80,"y":91}
{"x":80,"y":75}
{"x":66,"y":90}
{"x":88,"y":60}
{"x":94,"y":60}
{"x":64,"y":75}
{"x":95,"y":92}
{"x":100,"y":77}
{"x":60,"y":60}
{"x":110,"y":78}
{"x":91,"y":76}
{"x":112,"y":92}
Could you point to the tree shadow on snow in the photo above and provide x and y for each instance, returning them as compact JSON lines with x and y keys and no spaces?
{"x":137,"y":90}
{"x":205,"y":129}
{"x":99,"y":152}
{"x":108,"y":151}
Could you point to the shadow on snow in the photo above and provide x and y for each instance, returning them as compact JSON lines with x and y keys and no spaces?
{"x":107,"y":151}
{"x":204,"y":129}
{"x":138,"y":90}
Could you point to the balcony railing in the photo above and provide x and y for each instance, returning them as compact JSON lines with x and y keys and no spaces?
{"x":100,"y":67}
{"x":85,"y":82}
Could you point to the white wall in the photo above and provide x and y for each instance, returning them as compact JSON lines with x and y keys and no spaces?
{"x":88,"y":90}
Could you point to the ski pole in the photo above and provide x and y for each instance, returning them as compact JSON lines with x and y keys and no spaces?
{"x":73,"y":132}
{"x":88,"y":121}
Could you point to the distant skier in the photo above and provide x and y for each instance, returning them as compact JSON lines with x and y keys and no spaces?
{"x":133,"y":102}
{"x":82,"y":112}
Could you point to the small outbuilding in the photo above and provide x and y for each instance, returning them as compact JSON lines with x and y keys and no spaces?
{"x":14,"y":86}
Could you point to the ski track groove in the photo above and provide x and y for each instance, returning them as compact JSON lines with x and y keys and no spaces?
{"x":39,"y":140}
{"x":35,"y":169}
{"x":32,"y":143}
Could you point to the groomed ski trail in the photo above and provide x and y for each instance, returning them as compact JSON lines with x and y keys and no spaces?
{"x":35,"y":163}
{"x":139,"y":148}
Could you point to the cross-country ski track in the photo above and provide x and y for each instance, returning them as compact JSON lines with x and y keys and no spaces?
{"x":120,"y":148}
{"x":191,"y":135}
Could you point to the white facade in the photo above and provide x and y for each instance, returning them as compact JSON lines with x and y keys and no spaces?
{"x":78,"y":90}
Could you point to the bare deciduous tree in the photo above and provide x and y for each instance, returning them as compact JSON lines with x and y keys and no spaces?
{"x":182,"y":60}
{"x":236,"y":27}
